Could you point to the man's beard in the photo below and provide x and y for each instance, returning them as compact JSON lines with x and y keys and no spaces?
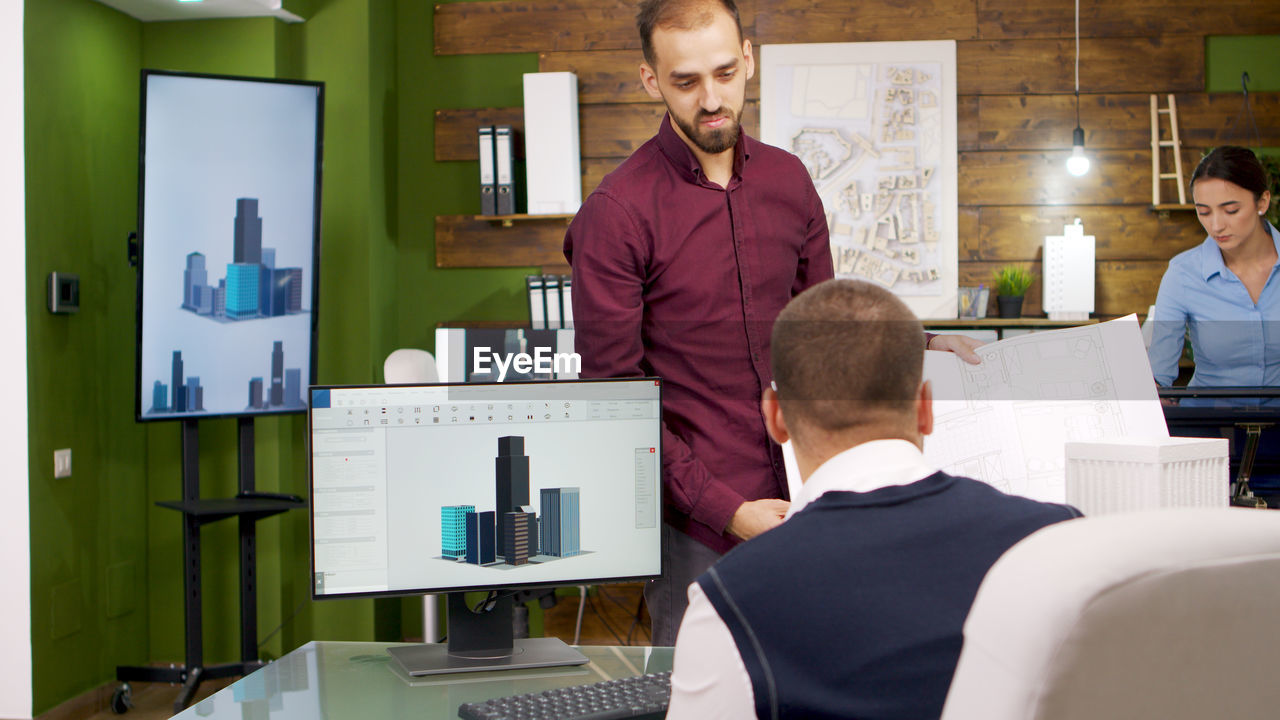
{"x":712,"y":142}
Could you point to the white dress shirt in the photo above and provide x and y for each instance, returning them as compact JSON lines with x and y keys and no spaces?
{"x":709,"y":680}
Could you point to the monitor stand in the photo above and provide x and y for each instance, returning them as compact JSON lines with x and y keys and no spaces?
{"x":481,"y":641}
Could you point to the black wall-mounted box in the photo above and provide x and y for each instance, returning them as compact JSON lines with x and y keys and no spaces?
{"x":64,"y":293}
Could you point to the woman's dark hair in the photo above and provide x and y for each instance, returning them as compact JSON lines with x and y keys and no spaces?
{"x":1236,"y":165}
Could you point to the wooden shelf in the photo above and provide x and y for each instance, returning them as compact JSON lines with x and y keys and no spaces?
{"x":474,"y":241}
{"x":510,"y":220}
{"x":1166,"y":207}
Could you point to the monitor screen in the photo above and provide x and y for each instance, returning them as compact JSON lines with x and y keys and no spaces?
{"x":455,"y":487}
{"x":229,"y":204}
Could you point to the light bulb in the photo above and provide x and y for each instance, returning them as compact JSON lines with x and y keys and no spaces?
{"x":1078,"y":163}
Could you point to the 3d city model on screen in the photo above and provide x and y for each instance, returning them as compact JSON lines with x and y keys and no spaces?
{"x":454,"y":487}
{"x":284,"y":392}
{"x":253,"y":289}
{"x":512,"y":534}
{"x":228,"y":245}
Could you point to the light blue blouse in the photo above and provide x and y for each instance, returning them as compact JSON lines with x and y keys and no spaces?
{"x":1235,"y":342}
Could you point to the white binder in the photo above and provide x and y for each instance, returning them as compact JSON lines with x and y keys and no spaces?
{"x":566,"y":300}
{"x":537,"y":303}
{"x":552,"y":154}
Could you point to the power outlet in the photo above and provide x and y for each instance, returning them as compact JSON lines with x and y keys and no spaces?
{"x":62,"y":463}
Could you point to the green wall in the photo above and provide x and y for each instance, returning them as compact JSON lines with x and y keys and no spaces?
{"x":1226,"y":56}
{"x":428,"y":83}
{"x":89,"y":539}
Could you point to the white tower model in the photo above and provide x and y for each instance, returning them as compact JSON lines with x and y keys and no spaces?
{"x":1069,"y":273}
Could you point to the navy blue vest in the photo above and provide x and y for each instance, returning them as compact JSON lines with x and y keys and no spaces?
{"x":854,"y":607}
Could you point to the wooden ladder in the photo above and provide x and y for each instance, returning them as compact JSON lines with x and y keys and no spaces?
{"x":1157,"y":144}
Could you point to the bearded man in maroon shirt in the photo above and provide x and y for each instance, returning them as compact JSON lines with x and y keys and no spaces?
{"x":682,"y":258}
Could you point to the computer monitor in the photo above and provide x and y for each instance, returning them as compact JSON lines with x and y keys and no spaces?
{"x":449,"y":488}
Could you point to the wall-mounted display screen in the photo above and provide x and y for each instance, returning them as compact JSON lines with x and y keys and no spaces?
{"x":229,"y":208}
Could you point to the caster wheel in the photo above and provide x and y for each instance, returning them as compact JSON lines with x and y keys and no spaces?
{"x":122,"y":699}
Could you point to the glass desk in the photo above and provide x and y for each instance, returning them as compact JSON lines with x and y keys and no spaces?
{"x":359,"y":681}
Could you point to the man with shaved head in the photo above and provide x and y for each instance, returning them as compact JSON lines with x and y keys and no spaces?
{"x":855,"y":605}
{"x":682,"y":258}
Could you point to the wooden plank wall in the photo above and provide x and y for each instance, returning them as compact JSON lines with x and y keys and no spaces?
{"x":1016,"y":111}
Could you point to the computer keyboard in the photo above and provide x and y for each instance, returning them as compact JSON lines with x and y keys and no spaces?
{"x":643,"y":696}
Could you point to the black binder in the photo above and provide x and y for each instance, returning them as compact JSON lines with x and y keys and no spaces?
{"x":504,"y":175}
{"x":488,"y":172}
{"x":551,"y":291}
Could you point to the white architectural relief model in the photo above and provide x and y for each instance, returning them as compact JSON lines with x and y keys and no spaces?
{"x":878,"y":138}
{"x":1007,"y":420}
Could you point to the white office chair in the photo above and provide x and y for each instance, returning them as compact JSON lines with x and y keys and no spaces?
{"x":1167,"y":614}
{"x":409,"y":365}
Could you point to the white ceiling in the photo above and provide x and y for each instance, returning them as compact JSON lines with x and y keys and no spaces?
{"x":149,"y":10}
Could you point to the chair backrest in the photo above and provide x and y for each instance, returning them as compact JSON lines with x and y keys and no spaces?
{"x":1166,"y":614}
{"x":409,"y":365}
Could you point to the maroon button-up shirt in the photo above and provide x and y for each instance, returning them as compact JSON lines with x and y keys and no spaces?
{"x":677,"y":277}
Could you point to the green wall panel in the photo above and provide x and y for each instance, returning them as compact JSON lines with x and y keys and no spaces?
{"x":1227,"y":56}
{"x":88,"y":531}
{"x":343,"y":44}
{"x":429,"y":295}
{"x":223,"y":47}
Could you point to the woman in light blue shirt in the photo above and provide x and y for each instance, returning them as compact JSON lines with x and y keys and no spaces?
{"x":1224,"y":291}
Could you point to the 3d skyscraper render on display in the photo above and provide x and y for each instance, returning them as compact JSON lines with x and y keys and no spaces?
{"x":560,"y":522}
{"x":285,"y":390}
{"x":481,"y":545}
{"x":277,"y":373}
{"x":453,"y":530}
{"x":244,"y":272}
{"x":519,"y":533}
{"x":519,"y":538}
{"x":254,"y":287}
{"x":197,"y":294}
{"x":511,"y":474}
{"x":188,"y":394}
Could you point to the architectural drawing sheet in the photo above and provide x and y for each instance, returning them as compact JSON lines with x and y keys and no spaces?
{"x":875,"y":125}
{"x":1007,"y":420}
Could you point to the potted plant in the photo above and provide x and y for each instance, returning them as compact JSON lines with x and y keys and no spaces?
{"x":1012,"y":282}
